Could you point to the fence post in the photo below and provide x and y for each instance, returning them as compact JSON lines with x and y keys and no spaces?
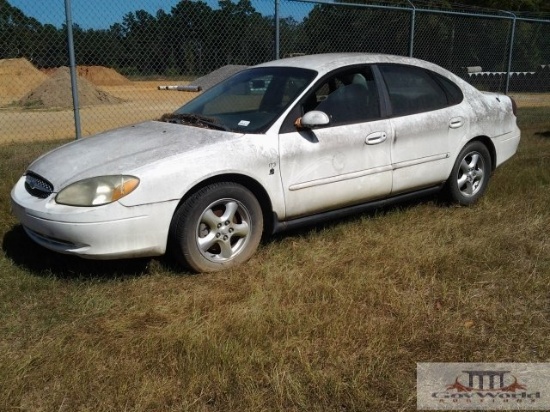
{"x":413,"y":23}
{"x":277,"y":31}
{"x":72,"y":61}
{"x":510,"y":51}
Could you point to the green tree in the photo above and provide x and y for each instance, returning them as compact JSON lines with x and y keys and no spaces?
{"x":366,"y":30}
{"x":189,"y":34}
{"x":242,"y":35}
{"x":19,"y":34}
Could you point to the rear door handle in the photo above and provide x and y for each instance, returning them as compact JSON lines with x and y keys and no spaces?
{"x":456,"y":122}
{"x":376,"y":137}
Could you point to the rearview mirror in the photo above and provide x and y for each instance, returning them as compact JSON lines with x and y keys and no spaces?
{"x":258,"y":84}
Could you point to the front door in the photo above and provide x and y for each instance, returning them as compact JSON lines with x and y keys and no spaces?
{"x":344,"y":163}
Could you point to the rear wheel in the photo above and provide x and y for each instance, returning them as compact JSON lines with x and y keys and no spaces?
{"x":218,"y":227}
{"x":470,"y":175}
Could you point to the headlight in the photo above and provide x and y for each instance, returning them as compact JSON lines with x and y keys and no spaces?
{"x":97,"y":191}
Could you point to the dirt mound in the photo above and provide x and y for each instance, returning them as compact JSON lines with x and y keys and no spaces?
{"x":102,"y":76}
{"x":55,"y":91}
{"x":213,"y":78}
{"x":48,"y":70}
{"x":17,"y":78}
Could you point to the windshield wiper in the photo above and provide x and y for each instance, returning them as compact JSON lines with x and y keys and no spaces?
{"x":193,"y":120}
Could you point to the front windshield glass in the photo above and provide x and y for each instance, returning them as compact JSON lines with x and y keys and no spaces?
{"x":251,"y":100}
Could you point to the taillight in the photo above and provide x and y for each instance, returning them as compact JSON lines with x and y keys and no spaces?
{"x":514,"y":106}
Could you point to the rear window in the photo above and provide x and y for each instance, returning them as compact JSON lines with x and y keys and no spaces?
{"x":415,"y":90}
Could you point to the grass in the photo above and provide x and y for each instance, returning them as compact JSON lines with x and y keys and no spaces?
{"x":332,"y":318}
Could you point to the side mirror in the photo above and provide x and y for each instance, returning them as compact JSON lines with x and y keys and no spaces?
{"x":314,"y":119}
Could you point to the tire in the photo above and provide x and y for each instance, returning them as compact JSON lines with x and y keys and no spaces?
{"x":218,"y":227}
{"x":470,"y":175}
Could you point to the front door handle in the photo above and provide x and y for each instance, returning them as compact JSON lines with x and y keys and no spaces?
{"x":376,"y":137}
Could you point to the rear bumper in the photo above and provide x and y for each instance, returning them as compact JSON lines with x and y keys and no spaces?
{"x":506,"y":146}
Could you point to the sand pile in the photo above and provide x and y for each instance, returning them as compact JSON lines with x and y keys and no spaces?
{"x":55,"y":91}
{"x":17,"y":78}
{"x":102,"y":76}
{"x":213,"y":78}
{"x":48,"y":70}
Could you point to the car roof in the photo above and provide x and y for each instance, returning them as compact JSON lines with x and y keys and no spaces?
{"x":323,"y":63}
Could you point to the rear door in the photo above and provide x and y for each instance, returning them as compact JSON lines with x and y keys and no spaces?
{"x":424,"y":117}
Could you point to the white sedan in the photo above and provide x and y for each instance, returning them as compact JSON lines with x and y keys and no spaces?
{"x":284,"y":143}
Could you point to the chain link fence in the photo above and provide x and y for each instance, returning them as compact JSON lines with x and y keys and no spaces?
{"x":124,"y":53}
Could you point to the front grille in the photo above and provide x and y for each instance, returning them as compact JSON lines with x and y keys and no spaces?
{"x":38,"y":186}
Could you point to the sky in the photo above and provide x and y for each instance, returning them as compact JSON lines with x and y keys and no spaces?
{"x":88,"y":13}
{"x":100,"y":14}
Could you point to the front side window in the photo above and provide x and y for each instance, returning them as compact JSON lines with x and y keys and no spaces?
{"x":412,"y":90}
{"x":251,"y":100}
{"x":346,"y":97}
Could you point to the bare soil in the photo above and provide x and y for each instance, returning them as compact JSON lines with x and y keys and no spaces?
{"x":98,"y":75}
{"x":531,"y":99}
{"x":102,"y":76}
{"x":37,"y":104}
{"x":140,"y":101}
{"x":17,"y":78}
{"x":56,"y":92}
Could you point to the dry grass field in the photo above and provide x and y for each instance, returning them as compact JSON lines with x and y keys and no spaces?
{"x":331,"y":318}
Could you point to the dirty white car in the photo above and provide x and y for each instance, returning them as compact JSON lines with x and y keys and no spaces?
{"x":284,"y":143}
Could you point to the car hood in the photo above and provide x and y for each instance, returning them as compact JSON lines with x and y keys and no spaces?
{"x":123,"y":151}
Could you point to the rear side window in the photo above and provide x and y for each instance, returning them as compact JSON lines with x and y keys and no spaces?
{"x":413,"y":90}
{"x":454,"y":94}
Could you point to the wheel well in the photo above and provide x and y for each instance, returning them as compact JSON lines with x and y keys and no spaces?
{"x":490,"y":147}
{"x":256,"y":188}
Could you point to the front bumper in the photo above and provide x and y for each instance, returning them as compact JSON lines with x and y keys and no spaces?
{"x":111,"y":231}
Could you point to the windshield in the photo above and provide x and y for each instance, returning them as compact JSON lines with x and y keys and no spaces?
{"x":251,"y":100}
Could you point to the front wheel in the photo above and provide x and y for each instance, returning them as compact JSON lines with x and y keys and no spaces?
{"x":218,"y":227}
{"x":470,"y":175}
